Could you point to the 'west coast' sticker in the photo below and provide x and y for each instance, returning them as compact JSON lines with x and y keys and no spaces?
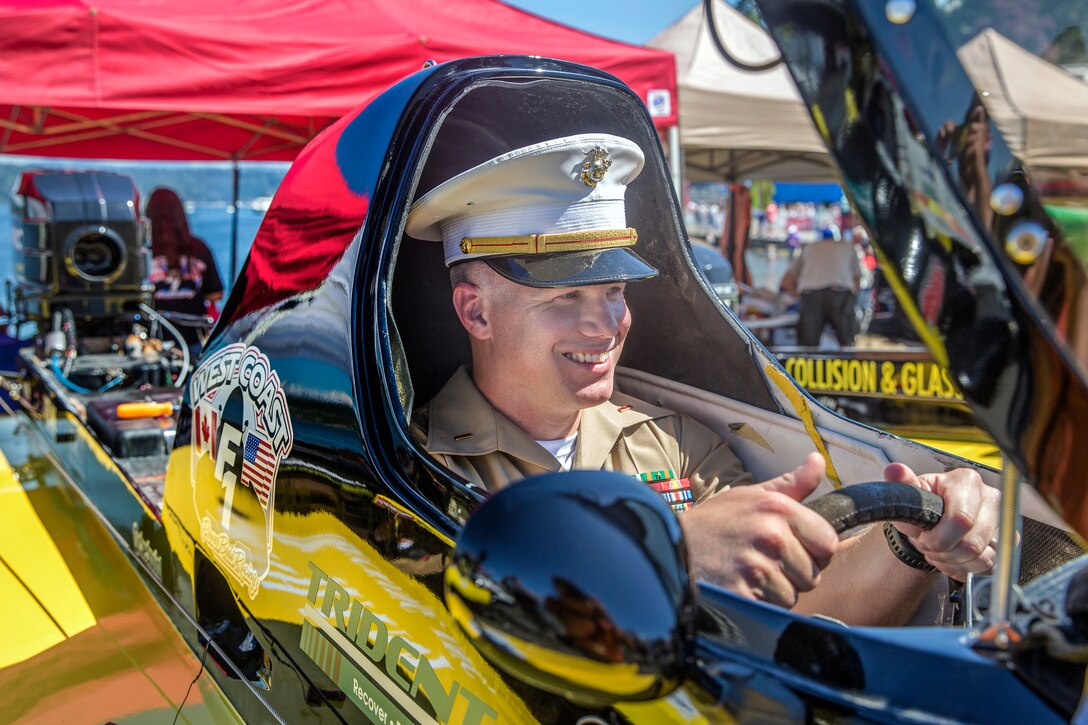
{"x":241,"y":432}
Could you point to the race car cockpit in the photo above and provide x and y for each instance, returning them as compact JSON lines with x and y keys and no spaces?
{"x":499,"y":115}
{"x":348,"y":324}
{"x":710,"y":368}
{"x":298,"y":534}
{"x":707,"y":365}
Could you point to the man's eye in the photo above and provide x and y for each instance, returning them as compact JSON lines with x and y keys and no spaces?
{"x":569,"y":296}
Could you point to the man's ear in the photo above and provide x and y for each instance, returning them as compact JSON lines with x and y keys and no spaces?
{"x":473,"y":309}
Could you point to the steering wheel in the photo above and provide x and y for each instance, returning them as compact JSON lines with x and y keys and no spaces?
{"x":864,"y":503}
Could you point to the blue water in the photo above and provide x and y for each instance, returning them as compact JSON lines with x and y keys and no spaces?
{"x":212,"y":224}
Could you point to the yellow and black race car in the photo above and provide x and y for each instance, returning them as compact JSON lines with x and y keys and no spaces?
{"x":256,"y":535}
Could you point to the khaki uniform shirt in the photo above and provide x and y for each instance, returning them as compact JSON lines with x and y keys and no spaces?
{"x":682,"y":459}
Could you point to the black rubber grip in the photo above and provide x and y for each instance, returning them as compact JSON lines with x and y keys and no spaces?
{"x":864,"y":503}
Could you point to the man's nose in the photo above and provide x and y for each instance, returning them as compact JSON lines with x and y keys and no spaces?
{"x":602,"y":317}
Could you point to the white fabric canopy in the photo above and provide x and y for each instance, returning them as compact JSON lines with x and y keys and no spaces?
{"x":1040,"y":109}
{"x":737,"y":124}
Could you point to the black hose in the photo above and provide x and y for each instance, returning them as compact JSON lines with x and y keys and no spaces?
{"x":708,"y":5}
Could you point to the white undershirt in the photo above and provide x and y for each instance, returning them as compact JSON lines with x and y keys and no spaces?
{"x":562,"y":449}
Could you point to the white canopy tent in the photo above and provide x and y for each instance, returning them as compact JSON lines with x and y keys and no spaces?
{"x":737,"y":124}
{"x":1041,"y":110}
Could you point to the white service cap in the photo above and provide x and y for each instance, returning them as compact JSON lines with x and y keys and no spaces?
{"x":547,"y":215}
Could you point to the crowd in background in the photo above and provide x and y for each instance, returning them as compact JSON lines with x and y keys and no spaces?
{"x":777,"y":236}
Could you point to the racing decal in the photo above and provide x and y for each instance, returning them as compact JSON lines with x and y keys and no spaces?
{"x":145,"y":552}
{"x":804,"y":412}
{"x":921,"y":380}
{"x":390,"y":679}
{"x":241,"y":432}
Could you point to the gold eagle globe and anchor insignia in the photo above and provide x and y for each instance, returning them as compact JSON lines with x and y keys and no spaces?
{"x":595,"y":166}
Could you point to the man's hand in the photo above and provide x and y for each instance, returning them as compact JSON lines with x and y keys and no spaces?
{"x":963,"y":540}
{"x":759,"y":540}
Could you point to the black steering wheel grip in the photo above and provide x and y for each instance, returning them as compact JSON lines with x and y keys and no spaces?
{"x":864,"y":503}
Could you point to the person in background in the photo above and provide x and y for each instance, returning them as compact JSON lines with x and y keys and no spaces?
{"x":183,"y":269}
{"x":793,"y":239}
{"x":826,"y":275}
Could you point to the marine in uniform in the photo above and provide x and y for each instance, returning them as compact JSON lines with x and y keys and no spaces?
{"x":677,"y":456}
{"x":552,"y":216}
{"x":540,"y":254}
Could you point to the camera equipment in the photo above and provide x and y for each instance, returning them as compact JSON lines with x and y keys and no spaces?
{"x":81,"y":245}
{"x":82,"y":262}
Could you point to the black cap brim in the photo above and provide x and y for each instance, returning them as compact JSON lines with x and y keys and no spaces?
{"x":573,"y":269}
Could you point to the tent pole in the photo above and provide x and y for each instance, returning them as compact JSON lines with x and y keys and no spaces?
{"x":676,"y":162}
{"x":234,"y":223}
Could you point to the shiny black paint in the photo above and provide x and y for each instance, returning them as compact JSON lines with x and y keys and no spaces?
{"x":325,"y":329}
{"x":864,"y":674}
{"x":750,"y":656}
{"x":590,"y":566}
{"x":302,"y":318}
{"x":328,"y":336}
{"x":883,"y":91}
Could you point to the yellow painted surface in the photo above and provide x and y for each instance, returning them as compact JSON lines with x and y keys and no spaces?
{"x":988,"y":454}
{"x":121,"y":659}
{"x":390,"y":589}
{"x":618,"y":679}
{"x":800,"y":407}
{"x":465,"y":587}
{"x":33,"y":580}
{"x":35,"y":632}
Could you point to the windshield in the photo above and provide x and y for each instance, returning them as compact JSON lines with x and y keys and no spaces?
{"x":961,"y":132}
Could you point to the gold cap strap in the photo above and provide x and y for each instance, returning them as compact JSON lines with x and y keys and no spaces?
{"x":544,"y":243}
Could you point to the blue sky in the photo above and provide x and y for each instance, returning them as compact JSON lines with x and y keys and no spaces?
{"x":633,"y":21}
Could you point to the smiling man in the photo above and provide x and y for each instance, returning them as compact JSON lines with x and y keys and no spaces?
{"x":540,"y":254}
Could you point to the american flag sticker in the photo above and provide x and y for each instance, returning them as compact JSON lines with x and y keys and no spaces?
{"x":241,"y":431}
{"x":258,"y":467}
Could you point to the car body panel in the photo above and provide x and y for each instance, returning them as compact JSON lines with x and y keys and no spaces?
{"x":85,"y":641}
{"x":300,"y":533}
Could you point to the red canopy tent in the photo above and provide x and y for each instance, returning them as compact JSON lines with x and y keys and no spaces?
{"x":251,"y":79}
